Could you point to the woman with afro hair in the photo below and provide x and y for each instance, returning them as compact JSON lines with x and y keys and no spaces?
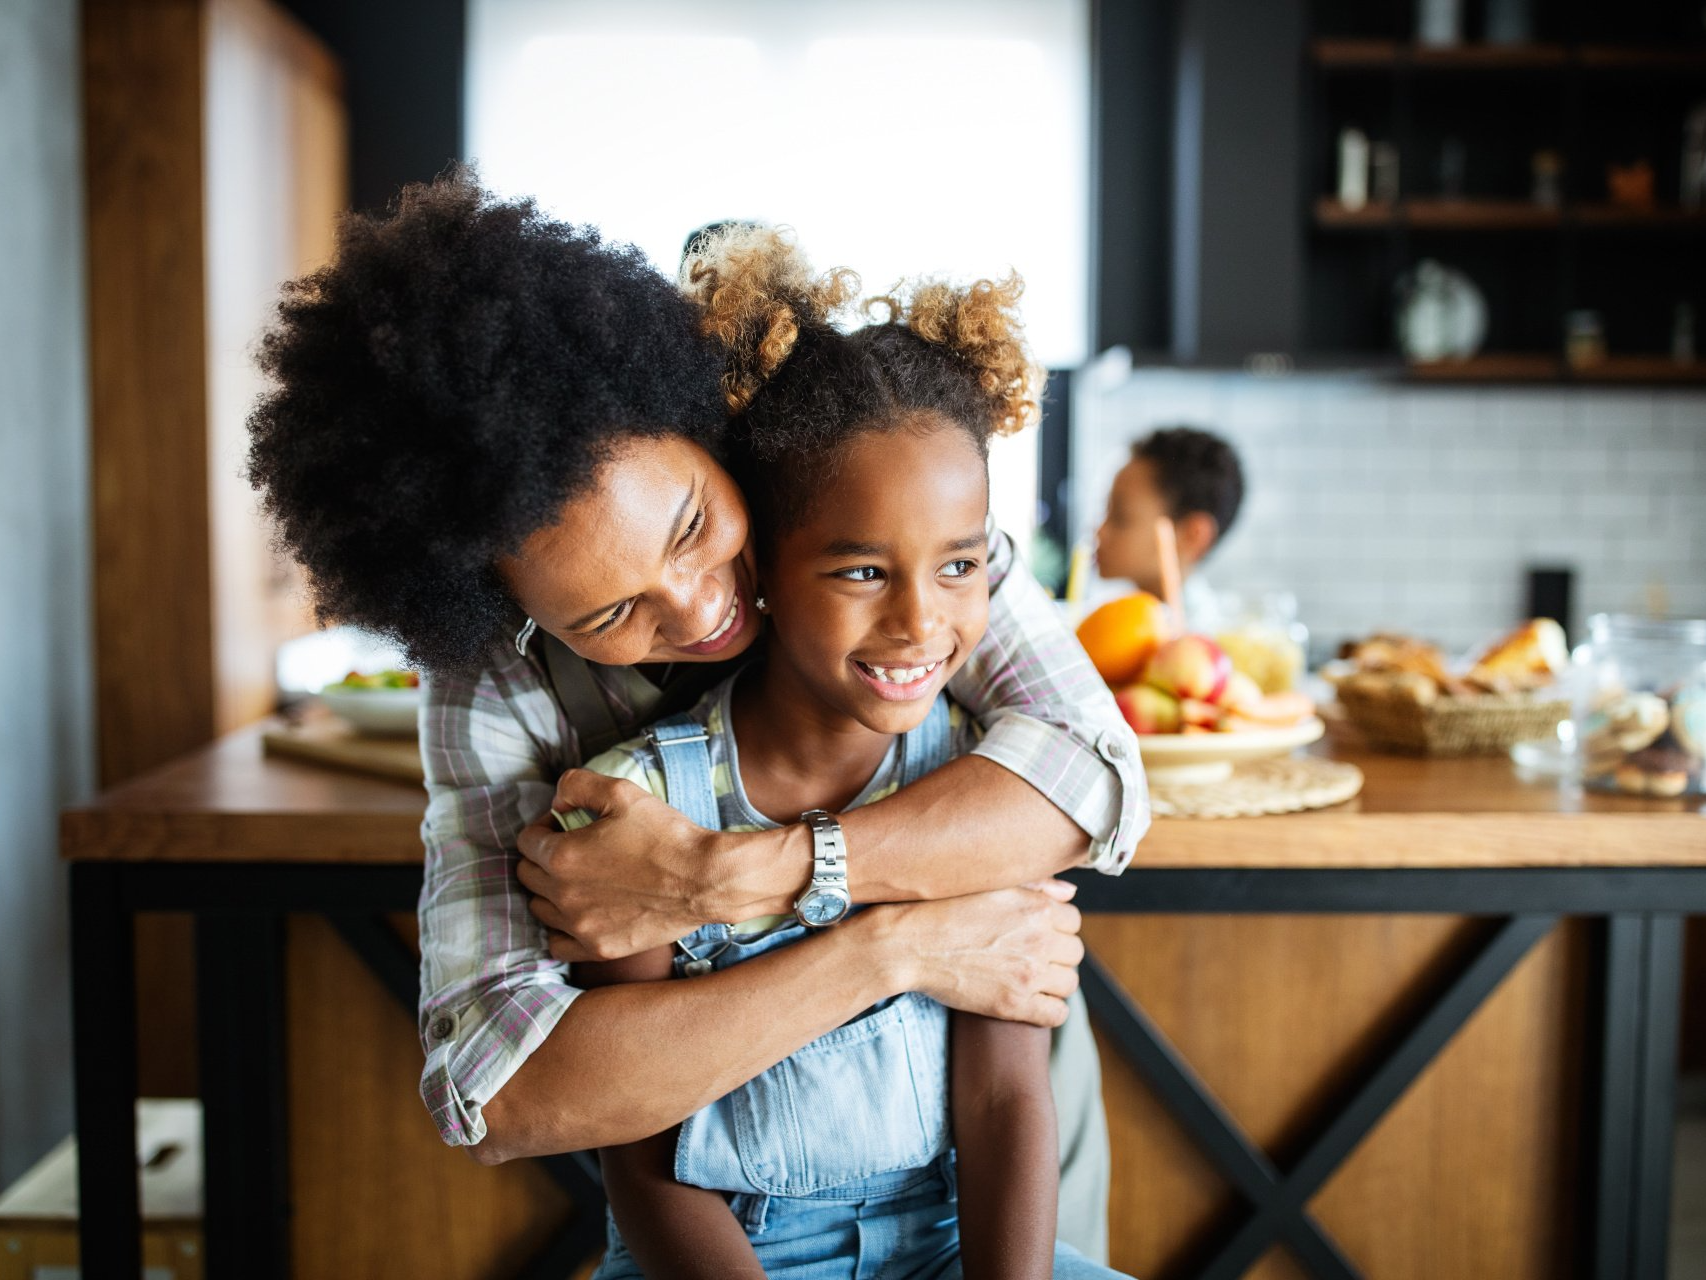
{"x":495,"y":438}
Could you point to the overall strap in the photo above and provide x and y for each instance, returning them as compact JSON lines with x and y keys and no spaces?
{"x":926,"y":748}
{"x":685,"y":754}
{"x":583,"y":702}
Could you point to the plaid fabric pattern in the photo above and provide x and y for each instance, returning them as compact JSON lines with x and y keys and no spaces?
{"x":494,"y":744}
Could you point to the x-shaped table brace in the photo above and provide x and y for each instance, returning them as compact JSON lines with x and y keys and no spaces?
{"x":1278,"y":1202}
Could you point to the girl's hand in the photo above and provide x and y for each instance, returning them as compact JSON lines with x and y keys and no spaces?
{"x":633,"y":880}
{"x":1011,"y":954}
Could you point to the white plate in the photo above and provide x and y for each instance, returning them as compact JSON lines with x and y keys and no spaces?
{"x":387,"y":713}
{"x":1208,"y":757}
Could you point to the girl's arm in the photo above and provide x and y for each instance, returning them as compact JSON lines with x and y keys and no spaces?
{"x":1055,"y":783}
{"x":1007,"y":1156}
{"x":672,"y":1229}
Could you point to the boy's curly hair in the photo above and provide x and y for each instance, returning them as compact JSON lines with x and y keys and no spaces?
{"x":800,"y":386}
{"x":459,"y":372}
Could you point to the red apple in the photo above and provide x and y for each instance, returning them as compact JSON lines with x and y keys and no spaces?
{"x":1189,"y":667}
{"x":1148,"y":710}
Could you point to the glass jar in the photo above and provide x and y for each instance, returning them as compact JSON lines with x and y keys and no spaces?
{"x":1641,"y":705}
{"x":1260,"y":632}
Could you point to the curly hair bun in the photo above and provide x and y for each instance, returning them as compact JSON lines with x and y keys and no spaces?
{"x":980,"y":324}
{"x":757,"y":294}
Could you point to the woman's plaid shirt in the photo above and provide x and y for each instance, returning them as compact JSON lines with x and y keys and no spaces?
{"x":495,"y":743}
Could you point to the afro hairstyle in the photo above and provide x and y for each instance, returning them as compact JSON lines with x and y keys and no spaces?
{"x":459,"y":372}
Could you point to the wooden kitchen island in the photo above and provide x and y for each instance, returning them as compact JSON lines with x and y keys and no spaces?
{"x":1429,"y":1032}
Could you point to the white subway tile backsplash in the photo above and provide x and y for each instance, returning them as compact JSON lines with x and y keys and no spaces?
{"x":1423,"y":507}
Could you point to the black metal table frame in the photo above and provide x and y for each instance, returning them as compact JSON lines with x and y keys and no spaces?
{"x":240,"y":909}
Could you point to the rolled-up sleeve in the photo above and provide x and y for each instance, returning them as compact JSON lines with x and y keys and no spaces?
{"x":490,"y":991}
{"x":1049,"y":718}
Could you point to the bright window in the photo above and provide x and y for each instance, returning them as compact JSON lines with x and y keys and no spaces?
{"x":897,"y":138}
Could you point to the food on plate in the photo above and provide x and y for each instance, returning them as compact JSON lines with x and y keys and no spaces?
{"x":1191,"y":666}
{"x":1189,"y":687}
{"x":1121,"y":635}
{"x":392,"y":679}
{"x":1265,"y":653}
{"x":1241,"y":695}
{"x":1148,"y":710}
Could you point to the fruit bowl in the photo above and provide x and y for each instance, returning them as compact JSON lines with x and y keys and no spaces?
{"x":1194,"y":759}
{"x":383,"y":713}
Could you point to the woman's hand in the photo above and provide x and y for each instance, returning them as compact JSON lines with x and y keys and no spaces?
{"x":1010,"y":954}
{"x":635,"y":879}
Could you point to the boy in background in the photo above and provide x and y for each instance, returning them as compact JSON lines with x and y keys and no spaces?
{"x":1193,"y":477}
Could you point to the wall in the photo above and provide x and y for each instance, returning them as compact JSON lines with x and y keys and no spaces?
{"x":46,"y":751}
{"x":1385,"y":505}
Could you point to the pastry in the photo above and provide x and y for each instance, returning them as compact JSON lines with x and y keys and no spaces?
{"x":1531,"y":655}
{"x":1620,"y":726}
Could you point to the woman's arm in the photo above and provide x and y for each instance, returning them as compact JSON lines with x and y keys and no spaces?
{"x":671,"y":1228}
{"x":625,"y":1062}
{"x":1007,"y":1157}
{"x":1056,"y":782}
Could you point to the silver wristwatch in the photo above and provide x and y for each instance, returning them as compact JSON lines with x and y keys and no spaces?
{"x":825,"y":901}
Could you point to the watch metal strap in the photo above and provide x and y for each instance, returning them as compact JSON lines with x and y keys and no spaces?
{"x":829,"y":853}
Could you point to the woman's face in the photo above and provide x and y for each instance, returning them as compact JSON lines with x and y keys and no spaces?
{"x":651,"y":566}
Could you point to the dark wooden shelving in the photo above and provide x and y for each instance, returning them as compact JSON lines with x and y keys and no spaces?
{"x":1341,"y":54}
{"x":1528,"y":367}
{"x":1432,"y":214}
{"x":1612,"y":215}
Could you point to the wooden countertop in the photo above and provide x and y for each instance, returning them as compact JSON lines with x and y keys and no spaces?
{"x":230,"y":803}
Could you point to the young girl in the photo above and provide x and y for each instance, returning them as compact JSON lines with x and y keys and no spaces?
{"x":863,"y":456}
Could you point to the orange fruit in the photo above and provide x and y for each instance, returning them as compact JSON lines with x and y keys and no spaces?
{"x":1120,"y":636}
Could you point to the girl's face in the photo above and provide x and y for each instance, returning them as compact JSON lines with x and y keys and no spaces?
{"x":651,"y":566}
{"x":881,"y":595}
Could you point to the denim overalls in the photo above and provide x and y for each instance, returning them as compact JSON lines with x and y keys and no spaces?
{"x":838,"y":1158}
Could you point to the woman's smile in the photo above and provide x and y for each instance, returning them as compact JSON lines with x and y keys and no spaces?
{"x":728,"y":631}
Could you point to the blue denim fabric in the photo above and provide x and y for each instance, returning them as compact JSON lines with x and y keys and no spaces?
{"x":837,"y":1159}
{"x":901,"y":1227}
{"x":867,"y":1099}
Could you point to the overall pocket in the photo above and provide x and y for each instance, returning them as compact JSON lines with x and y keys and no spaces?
{"x":868,"y":1098}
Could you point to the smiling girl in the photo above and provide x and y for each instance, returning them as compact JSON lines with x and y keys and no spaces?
{"x":863,"y":456}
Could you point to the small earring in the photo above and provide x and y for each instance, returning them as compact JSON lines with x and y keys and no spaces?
{"x":759,"y":604}
{"x":524,"y":635}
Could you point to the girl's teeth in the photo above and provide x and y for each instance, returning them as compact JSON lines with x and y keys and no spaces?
{"x":901,"y":675}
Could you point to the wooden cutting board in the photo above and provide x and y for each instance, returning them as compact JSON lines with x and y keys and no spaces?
{"x":329,"y":741}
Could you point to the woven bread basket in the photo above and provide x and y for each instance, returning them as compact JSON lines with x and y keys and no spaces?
{"x":1481,"y":724}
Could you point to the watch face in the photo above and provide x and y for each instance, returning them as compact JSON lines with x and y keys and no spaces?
{"x":819,"y":907}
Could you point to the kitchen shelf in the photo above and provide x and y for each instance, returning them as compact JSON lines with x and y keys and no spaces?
{"x":1432,"y":214}
{"x":1522,"y":367}
{"x":1372,"y":55}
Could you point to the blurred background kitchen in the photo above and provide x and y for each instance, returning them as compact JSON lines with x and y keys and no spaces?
{"x":1436,"y":268}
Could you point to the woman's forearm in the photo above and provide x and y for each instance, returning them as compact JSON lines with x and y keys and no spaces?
{"x":628,"y":1061}
{"x":970,"y":826}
